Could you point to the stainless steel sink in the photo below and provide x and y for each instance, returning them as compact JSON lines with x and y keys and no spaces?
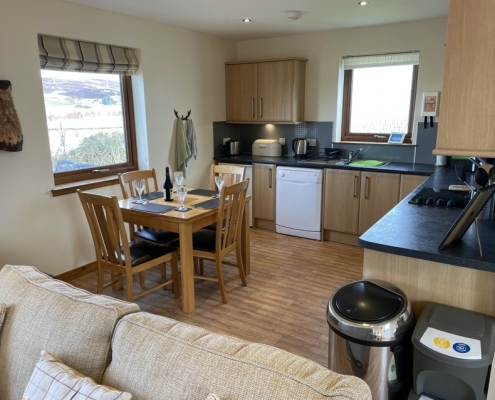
{"x":322,"y":161}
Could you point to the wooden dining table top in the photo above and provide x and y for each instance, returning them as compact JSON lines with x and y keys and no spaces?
{"x":184,"y":223}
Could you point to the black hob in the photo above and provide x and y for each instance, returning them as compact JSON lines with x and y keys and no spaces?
{"x":440,"y":198}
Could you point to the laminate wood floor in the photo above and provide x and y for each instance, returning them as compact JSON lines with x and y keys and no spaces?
{"x":284,"y":303}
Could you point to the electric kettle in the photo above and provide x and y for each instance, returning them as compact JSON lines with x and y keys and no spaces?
{"x":299,"y":146}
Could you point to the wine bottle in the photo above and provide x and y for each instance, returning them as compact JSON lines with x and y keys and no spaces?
{"x":168,"y":187}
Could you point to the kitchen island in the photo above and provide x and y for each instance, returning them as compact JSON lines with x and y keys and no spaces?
{"x":402,"y":248}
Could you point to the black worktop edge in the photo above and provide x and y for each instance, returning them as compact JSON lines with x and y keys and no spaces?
{"x":416,"y":231}
{"x":286,"y":161}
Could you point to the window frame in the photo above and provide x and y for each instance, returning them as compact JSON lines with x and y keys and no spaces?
{"x":348,"y":136}
{"x":85,"y":174}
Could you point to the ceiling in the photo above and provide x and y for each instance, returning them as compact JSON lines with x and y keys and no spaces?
{"x":223,"y":18}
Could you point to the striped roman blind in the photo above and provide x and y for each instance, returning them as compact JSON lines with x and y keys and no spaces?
{"x":381,"y":60}
{"x":74,"y":55}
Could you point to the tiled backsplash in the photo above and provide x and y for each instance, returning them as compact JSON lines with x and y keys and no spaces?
{"x":322,"y":132}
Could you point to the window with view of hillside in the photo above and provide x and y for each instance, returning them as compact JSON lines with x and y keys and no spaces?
{"x":89,"y":129}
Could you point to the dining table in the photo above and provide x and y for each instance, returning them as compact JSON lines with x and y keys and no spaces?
{"x":185,"y":223}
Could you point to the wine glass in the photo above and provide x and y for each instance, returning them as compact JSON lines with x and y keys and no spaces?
{"x":139,"y":188}
{"x":178,"y":176}
{"x":181,"y":193}
{"x":219,"y":181}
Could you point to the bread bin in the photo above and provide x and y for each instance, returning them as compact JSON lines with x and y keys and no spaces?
{"x":267,"y":147}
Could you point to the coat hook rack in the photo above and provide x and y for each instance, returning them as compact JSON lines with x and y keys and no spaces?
{"x":182,"y":117}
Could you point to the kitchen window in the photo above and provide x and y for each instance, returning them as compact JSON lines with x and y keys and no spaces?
{"x":87,"y":90}
{"x":379,"y":96}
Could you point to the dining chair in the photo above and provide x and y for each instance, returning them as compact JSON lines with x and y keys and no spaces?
{"x":215,"y":245}
{"x":233,"y":174}
{"x":149,"y":176}
{"x":116,"y":253}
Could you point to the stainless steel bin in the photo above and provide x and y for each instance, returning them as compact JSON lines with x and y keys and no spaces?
{"x":370,"y":328}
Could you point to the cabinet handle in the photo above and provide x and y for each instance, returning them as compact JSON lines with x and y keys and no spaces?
{"x":366,"y":187}
{"x":252,"y":107}
{"x":355,"y":185}
{"x":261,"y":107}
{"x":270,"y":178}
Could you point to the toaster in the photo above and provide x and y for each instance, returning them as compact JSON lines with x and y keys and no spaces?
{"x":233,"y":147}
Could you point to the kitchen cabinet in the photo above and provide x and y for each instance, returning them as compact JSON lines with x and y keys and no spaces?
{"x":355,"y":200}
{"x":269,"y":91}
{"x":466,"y":111}
{"x":408,"y":183}
{"x":264,"y":196}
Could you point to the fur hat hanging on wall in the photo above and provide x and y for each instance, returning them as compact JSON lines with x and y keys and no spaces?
{"x":10,"y":128}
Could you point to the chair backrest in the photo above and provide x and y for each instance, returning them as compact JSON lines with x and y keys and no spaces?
{"x":229,"y":220}
{"x":107,"y":227}
{"x":125,"y":181}
{"x":233,"y":174}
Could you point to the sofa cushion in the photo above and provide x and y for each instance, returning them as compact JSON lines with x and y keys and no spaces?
{"x":52,"y":379}
{"x":48,"y":314}
{"x":160,"y":358}
{"x":3,"y":311}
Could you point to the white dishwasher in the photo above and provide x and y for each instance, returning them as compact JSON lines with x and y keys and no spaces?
{"x":298,"y":202}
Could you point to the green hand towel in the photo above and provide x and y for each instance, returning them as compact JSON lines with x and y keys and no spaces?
{"x":182,"y":150}
{"x":367,"y":163}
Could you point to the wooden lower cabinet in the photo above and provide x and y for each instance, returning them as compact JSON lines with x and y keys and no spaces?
{"x":408,"y":183}
{"x":264,"y":196}
{"x":355,"y":200}
{"x":379,"y":194}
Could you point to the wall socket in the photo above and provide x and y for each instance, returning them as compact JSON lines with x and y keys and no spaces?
{"x":281,"y":141}
{"x":311,"y":142}
{"x":225,"y":140}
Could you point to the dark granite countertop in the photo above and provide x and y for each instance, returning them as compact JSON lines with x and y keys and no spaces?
{"x":416,"y":231}
{"x":285,"y":161}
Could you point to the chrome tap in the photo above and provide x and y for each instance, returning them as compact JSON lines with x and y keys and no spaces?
{"x":352,"y":155}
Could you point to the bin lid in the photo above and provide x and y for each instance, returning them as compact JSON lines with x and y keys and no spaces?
{"x":364,"y":301}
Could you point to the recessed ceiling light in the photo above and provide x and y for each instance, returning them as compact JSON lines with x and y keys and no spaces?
{"x":246,"y":20}
{"x":362,"y":3}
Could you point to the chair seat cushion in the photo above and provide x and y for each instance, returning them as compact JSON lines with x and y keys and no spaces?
{"x":203,"y":240}
{"x":143,"y":251}
{"x":156,"y":235}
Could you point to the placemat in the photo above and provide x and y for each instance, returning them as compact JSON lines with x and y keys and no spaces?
{"x":203,"y":192}
{"x":208,"y":204}
{"x":153,"y":208}
{"x":150,"y":196}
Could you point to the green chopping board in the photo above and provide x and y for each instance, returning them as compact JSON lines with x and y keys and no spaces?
{"x":367,"y":163}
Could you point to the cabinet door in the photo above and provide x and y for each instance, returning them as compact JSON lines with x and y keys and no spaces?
{"x":408,"y":183}
{"x":467,"y":115}
{"x":341,"y":210}
{"x":264,"y":191}
{"x":241,"y":92}
{"x":379,"y":194}
{"x":275,"y":91}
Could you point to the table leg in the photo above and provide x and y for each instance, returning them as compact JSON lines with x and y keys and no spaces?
{"x":246,"y":241}
{"x":186,"y":267}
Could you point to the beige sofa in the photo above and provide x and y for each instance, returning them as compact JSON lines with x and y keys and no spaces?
{"x":150,"y":356}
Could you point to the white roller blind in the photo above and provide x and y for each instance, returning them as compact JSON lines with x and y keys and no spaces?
{"x":381,"y":60}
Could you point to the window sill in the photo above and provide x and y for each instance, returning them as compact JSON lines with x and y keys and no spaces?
{"x":374,"y":143}
{"x":68,"y":188}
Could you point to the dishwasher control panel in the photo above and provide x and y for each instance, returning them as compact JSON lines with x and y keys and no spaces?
{"x":300,"y":174}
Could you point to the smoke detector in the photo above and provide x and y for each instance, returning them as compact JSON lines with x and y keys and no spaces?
{"x":294,"y":15}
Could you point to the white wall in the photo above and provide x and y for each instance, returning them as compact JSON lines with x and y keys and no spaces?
{"x":180,"y":70}
{"x":324,"y":52}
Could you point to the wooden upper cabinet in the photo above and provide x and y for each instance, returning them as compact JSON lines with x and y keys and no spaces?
{"x":241,"y":86}
{"x":466,"y":108}
{"x":268,"y":91}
